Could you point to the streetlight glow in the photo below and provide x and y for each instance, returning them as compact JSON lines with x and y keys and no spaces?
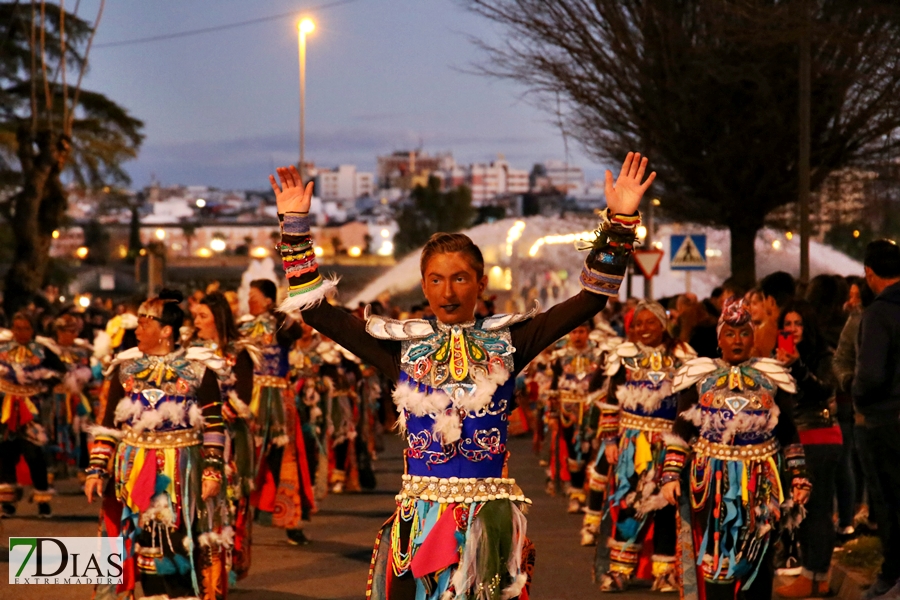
{"x":306,"y":26}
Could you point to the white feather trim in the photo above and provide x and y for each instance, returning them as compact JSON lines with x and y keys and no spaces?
{"x":632,"y":397}
{"x":281,"y":440}
{"x":447,"y":427}
{"x":160,"y":510}
{"x":671,"y":439}
{"x":420,"y":403}
{"x":485,"y":387}
{"x":96,"y":430}
{"x":310,"y":299}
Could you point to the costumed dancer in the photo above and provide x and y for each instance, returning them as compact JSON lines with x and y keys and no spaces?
{"x":27,"y":369}
{"x":283,"y":482}
{"x":738,"y":409}
{"x":598,"y":469}
{"x":312,"y":394}
{"x":215,"y":329}
{"x":639,"y":410}
{"x":458,"y":531}
{"x":341,"y":375}
{"x":71,"y":407}
{"x":574,"y":367}
{"x":161,"y":443}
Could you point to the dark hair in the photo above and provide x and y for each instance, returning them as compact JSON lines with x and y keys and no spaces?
{"x":168,"y":306}
{"x":813,"y":344}
{"x":780,"y":286}
{"x":883,"y":257}
{"x":735,"y":286}
{"x":717,"y":291}
{"x":444,"y":243}
{"x":224,"y":320}
{"x":266,"y":287}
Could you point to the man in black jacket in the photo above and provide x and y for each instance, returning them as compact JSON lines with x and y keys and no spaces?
{"x":876,"y":395}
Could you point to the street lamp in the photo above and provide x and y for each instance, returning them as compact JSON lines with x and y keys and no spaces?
{"x":304,"y":27}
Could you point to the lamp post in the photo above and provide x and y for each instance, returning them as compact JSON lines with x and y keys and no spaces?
{"x":304,"y":27}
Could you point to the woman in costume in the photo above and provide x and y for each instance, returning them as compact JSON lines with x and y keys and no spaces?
{"x":26,"y":369}
{"x":215,"y":329}
{"x":739,"y":410}
{"x":639,"y":410}
{"x":458,"y":531}
{"x":162,"y":442}
{"x":573,"y":367}
{"x":71,"y":409}
{"x":283,"y":482}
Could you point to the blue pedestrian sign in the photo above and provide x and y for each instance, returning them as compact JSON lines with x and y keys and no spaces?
{"x":688,"y":252}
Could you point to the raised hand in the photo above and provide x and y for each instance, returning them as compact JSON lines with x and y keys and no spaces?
{"x":624,"y":197}
{"x":291,"y":196}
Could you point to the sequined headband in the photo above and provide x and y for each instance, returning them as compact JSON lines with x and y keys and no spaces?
{"x":655,"y":308}
{"x":734,"y":313}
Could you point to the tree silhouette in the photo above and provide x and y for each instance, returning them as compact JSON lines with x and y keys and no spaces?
{"x":428,"y":211}
{"x":709,"y":90}
{"x":50,"y":128}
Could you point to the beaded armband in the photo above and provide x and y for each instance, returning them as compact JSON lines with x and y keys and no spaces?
{"x":307,"y":287}
{"x":101,"y":454}
{"x":608,"y":428}
{"x":676,"y":456}
{"x":795,"y":464}
{"x":606,"y":264}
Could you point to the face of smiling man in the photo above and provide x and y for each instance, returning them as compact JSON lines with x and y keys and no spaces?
{"x":452,"y":287}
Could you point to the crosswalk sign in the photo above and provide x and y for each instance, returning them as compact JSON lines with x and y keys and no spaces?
{"x":688,"y":252}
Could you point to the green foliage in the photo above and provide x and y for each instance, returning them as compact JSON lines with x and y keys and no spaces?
{"x":429,"y":211}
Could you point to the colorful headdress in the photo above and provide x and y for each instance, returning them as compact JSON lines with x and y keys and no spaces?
{"x":655,"y":308}
{"x":734,"y":313}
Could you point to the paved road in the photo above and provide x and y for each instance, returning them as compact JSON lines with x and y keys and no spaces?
{"x":335,"y":565}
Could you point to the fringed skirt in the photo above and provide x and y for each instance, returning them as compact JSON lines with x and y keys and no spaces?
{"x":443,"y":549}
{"x":172,"y":532}
{"x":736,"y":505}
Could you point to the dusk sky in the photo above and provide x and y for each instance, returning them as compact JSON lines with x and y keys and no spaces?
{"x":221,"y":108}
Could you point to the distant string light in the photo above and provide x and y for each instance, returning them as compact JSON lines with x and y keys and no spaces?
{"x":513,"y":235}
{"x":552,"y":240}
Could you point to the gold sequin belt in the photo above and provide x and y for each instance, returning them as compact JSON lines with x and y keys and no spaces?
{"x":460,"y":489}
{"x":163,"y":439}
{"x":568,"y":397}
{"x":651,"y":424}
{"x":18,"y":390}
{"x":729,"y":452}
{"x":270,"y":381}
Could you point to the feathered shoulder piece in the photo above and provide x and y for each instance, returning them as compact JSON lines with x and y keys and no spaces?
{"x":693,"y":371}
{"x":251,"y":348}
{"x":385,"y":328}
{"x":618,"y":354}
{"x":124,"y":356}
{"x":207,"y":357}
{"x":777,"y":372}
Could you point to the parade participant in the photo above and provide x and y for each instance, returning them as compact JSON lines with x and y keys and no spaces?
{"x":215,"y":329}
{"x":739,"y":410}
{"x":283,"y":482}
{"x":161,"y":442}
{"x":71,"y":410}
{"x":341,"y":375}
{"x":573,"y":366}
{"x":26,"y":369}
{"x":458,"y":531}
{"x":598,"y":470}
{"x":639,"y":410}
{"x":312,"y":393}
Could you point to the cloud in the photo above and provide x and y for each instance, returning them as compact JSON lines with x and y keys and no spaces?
{"x":245,"y":163}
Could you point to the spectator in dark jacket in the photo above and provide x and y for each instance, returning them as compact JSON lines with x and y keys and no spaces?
{"x":876,"y":396}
